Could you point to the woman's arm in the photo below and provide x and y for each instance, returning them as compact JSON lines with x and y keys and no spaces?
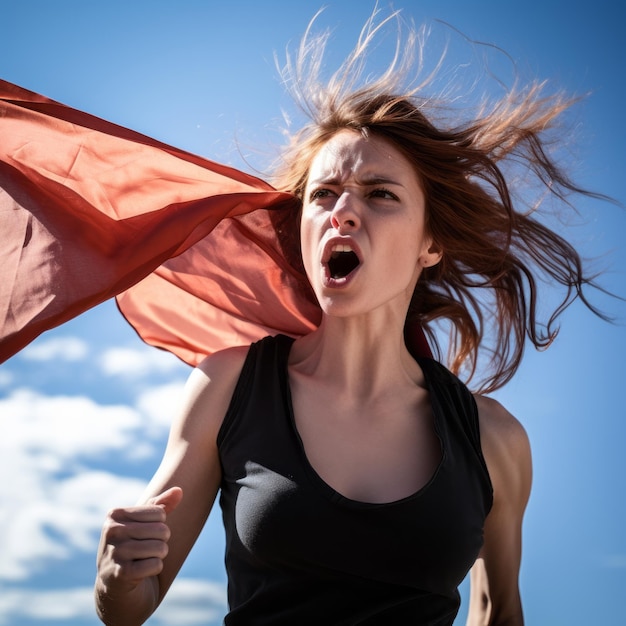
{"x":143,"y":547}
{"x":494,"y":596}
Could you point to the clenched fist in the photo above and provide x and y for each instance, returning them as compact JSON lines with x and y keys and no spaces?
{"x":134,"y":543}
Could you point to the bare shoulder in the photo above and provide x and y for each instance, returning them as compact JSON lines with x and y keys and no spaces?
{"x":498,"y":427}
{"x":221,"y":368}
{"x":191,"y":459}
{"x":192,"y":444}
{"x":210,"y":387}
{"x":506,"y":447}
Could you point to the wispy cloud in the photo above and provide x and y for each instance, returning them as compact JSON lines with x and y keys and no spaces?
{"x":6,"y":378}
{"x":137,"y":363}
{"x":189,"y":602}
{"x":58,"y":502}
{"x":159,"y":405}
{"x":58,"y":348}
{"x":65,"y":459}
{"x":53,"y":606}
{"x":56,"y":519}
{"x":65,"y":426}
{"x":192,"y":602}
{"x":49,"y":452}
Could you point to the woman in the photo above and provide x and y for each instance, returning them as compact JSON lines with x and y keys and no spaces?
{"x":359,"y":480}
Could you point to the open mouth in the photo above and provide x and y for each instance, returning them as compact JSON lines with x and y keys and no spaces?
{"x":342,"y":262}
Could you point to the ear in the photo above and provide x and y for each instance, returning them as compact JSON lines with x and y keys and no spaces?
{"x":431,"y":256}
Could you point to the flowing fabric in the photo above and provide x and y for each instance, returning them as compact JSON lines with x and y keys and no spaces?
{"x":193,"y":250}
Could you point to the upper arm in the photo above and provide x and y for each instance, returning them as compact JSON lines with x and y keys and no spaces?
{"x":191,"y":459}
{"x":494,"y":596}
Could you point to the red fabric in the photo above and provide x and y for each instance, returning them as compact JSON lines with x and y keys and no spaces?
{"x":90,"y":210}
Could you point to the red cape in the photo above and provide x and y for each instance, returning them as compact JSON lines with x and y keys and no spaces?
{"x":190,"y":248}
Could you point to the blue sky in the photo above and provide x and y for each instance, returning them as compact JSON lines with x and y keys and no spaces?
{"x":84,"y":411}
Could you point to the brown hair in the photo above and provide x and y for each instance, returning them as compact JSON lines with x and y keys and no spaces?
{"x":495,"y":255}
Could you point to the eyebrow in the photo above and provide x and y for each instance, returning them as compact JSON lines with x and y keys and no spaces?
{"x":367,"y":180}
{"x":378,"y":180}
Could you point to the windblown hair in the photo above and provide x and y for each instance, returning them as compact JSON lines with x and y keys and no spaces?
{"x":495,"y":253}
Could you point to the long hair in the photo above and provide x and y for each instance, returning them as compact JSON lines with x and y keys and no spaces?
{"x":496,"y":253}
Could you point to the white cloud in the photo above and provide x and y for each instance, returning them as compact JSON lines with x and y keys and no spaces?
{"x":57,"y":348}
{"x":160,"y":404}
{"x":56,"y":502}
{"x":66,"y":426}
{"x":6,"y":378}
{"x":56,"y":519}
{"x":190,"y":602}
{"x":64,"y":461}
{"x":53,"y":605}
{"x":138,"y":363}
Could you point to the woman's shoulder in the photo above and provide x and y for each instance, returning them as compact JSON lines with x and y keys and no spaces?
{"x":221,"y":370}
{"x":223,"y":363}
{"x":498,"y":424}
{"x":506,"y":448}
{"x":217,"y":374}
{"x":209,"y":389}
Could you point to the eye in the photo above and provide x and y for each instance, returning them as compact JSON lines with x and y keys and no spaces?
{"x":316,"y":194}
{"x":381,"y":192}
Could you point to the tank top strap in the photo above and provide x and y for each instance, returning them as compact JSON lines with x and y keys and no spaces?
{"x":449,"y":396}
{"x":261,"y":371}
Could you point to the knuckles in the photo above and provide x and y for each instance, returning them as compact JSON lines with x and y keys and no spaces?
{"x":134,"y":544}
{"x":143,"y":513}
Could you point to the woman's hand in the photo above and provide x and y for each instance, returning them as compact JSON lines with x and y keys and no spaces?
{"x":133,"y":572}
{"x":133,"y":545}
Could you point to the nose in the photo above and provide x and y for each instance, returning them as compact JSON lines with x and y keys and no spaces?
{"x":345,"y":216}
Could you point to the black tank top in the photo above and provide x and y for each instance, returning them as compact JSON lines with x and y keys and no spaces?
{"x":299,"y":553}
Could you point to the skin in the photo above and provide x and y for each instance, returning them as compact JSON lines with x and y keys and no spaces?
{"x":378,"y":444}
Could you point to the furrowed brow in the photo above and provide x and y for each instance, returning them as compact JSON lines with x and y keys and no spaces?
{"x":325,"y":180}
{"x":367,"y":180}
{"x":378,"y":180}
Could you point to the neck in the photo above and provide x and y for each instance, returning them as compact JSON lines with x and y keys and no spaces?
{"x":360,"y":358}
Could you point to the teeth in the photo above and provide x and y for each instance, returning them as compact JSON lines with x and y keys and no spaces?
{"x":340,"y":247}
{"x":342,"y":260}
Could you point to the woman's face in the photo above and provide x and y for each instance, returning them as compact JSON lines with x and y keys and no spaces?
{"x":363,"y":226}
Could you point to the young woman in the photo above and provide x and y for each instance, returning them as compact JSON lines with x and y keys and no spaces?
{"x":359,"y":479}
